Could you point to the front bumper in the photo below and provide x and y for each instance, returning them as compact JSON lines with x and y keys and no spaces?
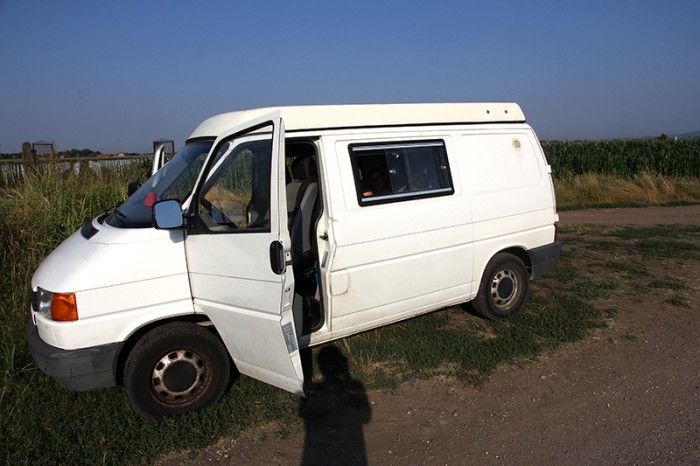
{"x":78,"y":370}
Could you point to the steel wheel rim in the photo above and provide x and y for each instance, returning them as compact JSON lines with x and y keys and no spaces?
{"x":178,"y":377}
{"x":504,"y":288}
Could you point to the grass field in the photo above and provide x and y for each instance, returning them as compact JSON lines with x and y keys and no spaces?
{"x":41,"y":423}
{"x":645,"y":189}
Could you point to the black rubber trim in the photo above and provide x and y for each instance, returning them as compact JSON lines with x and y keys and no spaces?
{"x":544,"y":258}
{"x":78,"y":370}
{"x":88,"y":231}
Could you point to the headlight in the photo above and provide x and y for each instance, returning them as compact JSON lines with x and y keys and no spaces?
{"x":43,"y":302}
{"x":61,"y":307}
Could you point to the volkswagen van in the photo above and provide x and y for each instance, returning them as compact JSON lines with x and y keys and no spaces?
{"x":277,"y":229}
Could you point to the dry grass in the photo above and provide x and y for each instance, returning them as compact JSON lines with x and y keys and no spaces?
{"x":592,"y":189}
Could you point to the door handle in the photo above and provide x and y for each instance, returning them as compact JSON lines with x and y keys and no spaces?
{"x":277,"y":261}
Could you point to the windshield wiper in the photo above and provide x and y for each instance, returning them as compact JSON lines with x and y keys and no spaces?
{"x":120,"y":217}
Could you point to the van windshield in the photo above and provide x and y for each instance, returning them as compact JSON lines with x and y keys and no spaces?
{"x":174,"y":180}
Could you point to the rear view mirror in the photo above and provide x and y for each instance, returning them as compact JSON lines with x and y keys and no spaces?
{"x":167,"y":215}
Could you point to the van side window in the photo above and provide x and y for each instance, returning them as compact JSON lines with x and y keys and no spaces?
{"x":236,"y":197}
{"x":394,"y":172}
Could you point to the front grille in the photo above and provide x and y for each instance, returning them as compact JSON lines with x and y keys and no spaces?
{"x":35,"y":305}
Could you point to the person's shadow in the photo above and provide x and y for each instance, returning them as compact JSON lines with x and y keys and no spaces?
{"x":334,"y":411}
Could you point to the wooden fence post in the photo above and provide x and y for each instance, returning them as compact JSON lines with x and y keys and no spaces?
{"x":28,"y":160}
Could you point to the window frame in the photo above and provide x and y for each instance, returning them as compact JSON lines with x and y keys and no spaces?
{"x":444,"y":166}
{"x":213,"y":168}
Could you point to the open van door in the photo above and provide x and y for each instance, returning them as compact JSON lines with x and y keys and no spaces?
{"x":239,"y":254}
{"x":158,"y":159}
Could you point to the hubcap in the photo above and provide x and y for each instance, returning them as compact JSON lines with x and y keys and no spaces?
{"x":504,"y":288}
{"x":178,"y":376}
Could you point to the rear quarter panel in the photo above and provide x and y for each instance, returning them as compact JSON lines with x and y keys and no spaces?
{"x":509,"y":184}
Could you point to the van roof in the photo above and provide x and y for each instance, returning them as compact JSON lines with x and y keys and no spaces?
{"x":313,"y":117}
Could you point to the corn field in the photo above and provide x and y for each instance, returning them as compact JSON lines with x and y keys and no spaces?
{"x":678,"y":158}
{"x":622,"y":158}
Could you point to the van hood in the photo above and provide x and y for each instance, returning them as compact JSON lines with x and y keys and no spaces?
{"x":109,"y":256}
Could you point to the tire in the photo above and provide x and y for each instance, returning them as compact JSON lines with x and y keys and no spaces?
{"x":175,"y":369}
{"x":503,"y":287}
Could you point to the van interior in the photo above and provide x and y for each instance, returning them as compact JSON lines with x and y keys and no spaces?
{"x":304,"y":208}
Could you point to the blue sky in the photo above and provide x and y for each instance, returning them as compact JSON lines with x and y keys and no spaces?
{"x":113,"y":76}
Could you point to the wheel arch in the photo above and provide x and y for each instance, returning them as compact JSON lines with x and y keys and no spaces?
{"x":133,"y":339}
{"x":521,"y":252}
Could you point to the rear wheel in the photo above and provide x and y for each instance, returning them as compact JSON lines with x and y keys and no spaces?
{"x":176,"y":368}
{"x":503,"y":287}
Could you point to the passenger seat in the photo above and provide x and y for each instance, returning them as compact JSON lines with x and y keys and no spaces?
{"x":301,"y":212}
{"x":303,"y":168}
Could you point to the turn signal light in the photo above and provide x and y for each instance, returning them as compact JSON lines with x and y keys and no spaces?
{"x":64,"y":307}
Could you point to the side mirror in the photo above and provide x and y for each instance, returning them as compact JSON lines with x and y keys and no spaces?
{"x":167,"y":215}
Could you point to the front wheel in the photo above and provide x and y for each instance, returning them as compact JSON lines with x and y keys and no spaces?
{"x":503,"y":287}
{"x":176,"y":368}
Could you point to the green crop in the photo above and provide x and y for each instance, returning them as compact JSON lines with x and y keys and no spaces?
{"x":626,"y":158}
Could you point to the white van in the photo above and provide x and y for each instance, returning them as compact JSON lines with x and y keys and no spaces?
{"x":281,"y":228}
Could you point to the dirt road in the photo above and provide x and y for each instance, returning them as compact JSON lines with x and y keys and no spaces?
{"x":628,"y":394}
{"x":644,"y":216}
